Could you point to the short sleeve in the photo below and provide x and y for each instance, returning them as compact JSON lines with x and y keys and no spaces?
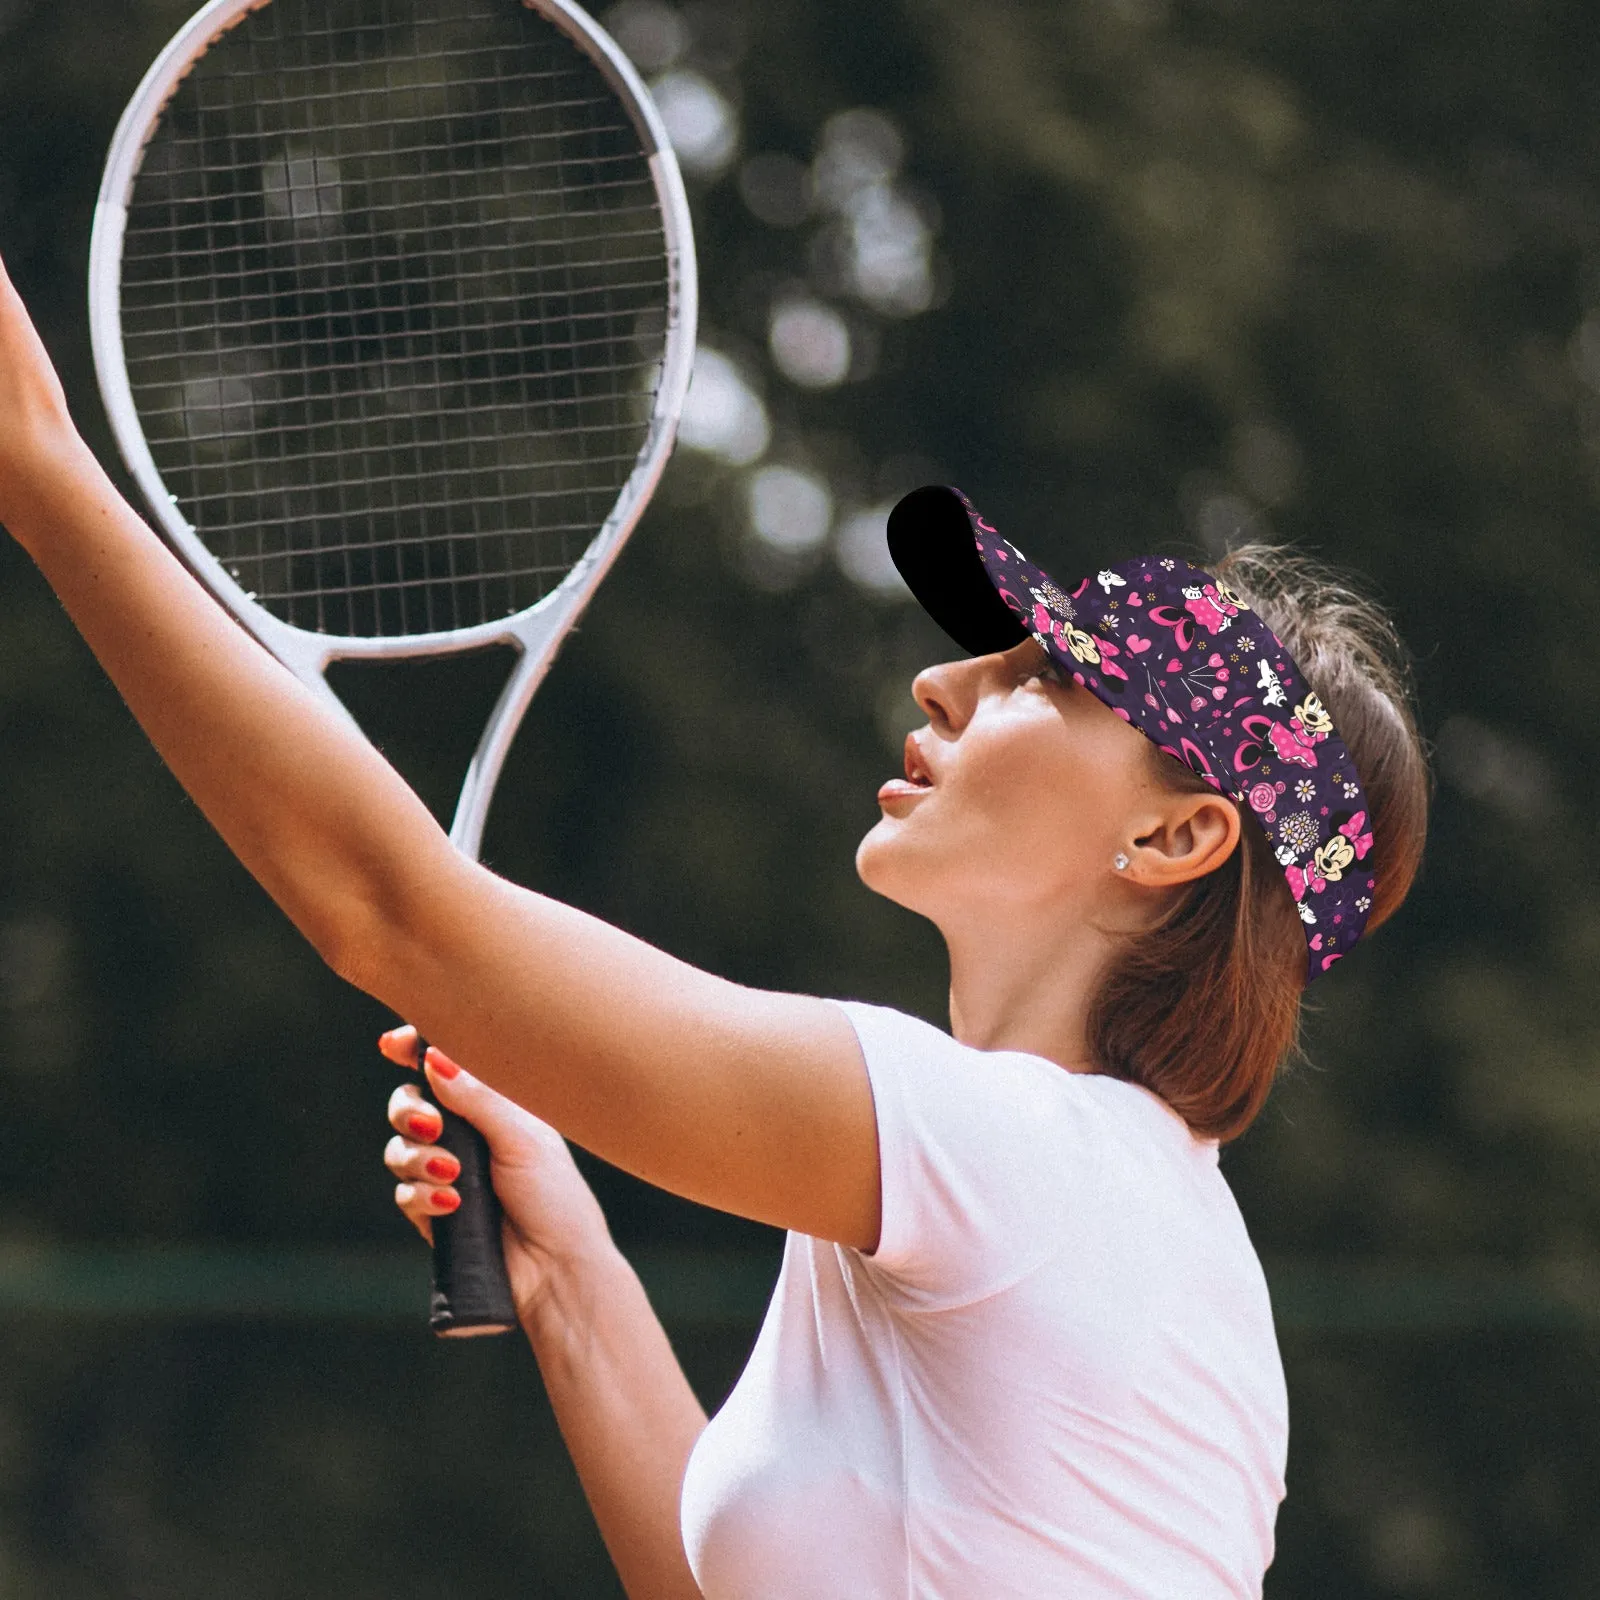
{"x":977,"y":1153}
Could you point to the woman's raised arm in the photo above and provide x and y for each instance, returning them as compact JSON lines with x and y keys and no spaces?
{"x":751,"y":1102}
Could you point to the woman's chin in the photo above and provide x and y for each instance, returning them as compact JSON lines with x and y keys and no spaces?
{"x":882,"y":859}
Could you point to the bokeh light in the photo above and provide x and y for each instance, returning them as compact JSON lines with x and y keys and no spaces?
{"x":879,"y":248}
{"x":701,"y":123}
{"x":810,"y":343}
{"x":790,"y":509}
{"x":723,"y":416}
{"x":861,"y":548}
{"x":653,"y":36}
{"x":859,"y":149}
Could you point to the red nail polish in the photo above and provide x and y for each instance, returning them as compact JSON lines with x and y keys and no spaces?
{"x":443,"y":1168}
{"x":442,"y":1064}
{"x":424,"y":1127}
{"x":447,"y":1200}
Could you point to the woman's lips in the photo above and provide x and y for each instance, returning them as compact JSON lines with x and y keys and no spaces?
{"x":916,"y":768}
{"x":917,"y":781}
{"x":898,"y":790}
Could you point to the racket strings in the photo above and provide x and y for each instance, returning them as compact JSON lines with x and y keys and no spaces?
{"x":394,"y":305}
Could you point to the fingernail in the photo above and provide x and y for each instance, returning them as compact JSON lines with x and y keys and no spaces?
{"x":396,"y":1047}
{"x":442,"y":1064}
{"x":447,"y":1199}
{"x":443,"y":1168}
{"x":424,"y":1127}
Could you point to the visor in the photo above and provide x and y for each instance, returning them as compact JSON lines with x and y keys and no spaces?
{"x":1177,"y":654}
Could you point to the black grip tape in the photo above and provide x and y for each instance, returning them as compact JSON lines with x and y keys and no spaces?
{"x":471,"y":1292}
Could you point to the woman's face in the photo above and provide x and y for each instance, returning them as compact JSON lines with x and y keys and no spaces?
{"x":1017,"y":795}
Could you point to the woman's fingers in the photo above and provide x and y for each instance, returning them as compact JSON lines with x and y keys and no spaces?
{"x":422,"y":1202}
{"x":420,"y":1163}
{"x":501,"y":1121}
{"x":426,"y":1172}
{"x":426,"y":1200}
{"x":411,"y":1115}
{"x":399,"y":1045}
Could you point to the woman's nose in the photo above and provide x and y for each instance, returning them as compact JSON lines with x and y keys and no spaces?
{"x":947,"y":694}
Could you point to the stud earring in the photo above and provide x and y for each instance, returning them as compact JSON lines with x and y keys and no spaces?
{"x":1120,"y":861}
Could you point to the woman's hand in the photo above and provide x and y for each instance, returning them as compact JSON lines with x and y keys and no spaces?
{"x":38,"y":442}
{"x":554,"y":1226}
{"x":625,"y":1409}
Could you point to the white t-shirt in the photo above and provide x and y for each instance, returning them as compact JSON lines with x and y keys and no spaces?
{"x":1055,"y":1379}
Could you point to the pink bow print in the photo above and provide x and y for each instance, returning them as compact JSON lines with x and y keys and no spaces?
{"x":1305,"y":880}
{"x":1352,"y":831}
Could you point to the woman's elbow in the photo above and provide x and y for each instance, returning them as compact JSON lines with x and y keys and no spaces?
{"x":352,"y":943}
{"x":361,"y":923}
{"x":351,"y":934}
{"x":381,"y":932}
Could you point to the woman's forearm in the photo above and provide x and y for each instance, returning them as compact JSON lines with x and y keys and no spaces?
{"x":310,"y":808}
{"x":628,"y":1416}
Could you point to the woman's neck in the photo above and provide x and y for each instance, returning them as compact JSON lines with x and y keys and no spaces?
{"x":1027,"y":987}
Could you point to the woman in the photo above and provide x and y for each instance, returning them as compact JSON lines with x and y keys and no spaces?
{"x":1021,"y":1345}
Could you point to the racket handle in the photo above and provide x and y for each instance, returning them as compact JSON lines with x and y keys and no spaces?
{"x":471,"y":1292}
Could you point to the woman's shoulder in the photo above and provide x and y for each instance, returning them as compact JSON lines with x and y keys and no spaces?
{"x":995,"y":1162}
{"x":911,"y":1045}
{"x":928,"y":1063}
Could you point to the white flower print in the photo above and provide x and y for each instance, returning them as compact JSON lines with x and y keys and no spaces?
{"x":1363,"y":904}
{"x":1351,"y":790}
{"x":1054,"y":600}
{"x":1298,"y":832}
{"x":1305,"y":791}
{"x":1246,"y":643}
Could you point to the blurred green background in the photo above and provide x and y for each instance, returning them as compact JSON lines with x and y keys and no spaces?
{"x":1135,"y":273}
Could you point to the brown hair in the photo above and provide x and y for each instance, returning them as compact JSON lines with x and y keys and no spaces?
{"x":1203,"y":1008}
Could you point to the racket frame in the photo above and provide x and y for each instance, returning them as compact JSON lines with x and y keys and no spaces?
{"x":536,"y":633}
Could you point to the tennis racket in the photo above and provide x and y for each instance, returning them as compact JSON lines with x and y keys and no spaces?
{"x":393,"y":309}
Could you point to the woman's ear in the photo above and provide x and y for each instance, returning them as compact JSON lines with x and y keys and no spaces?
{"x":1194,"y":835}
